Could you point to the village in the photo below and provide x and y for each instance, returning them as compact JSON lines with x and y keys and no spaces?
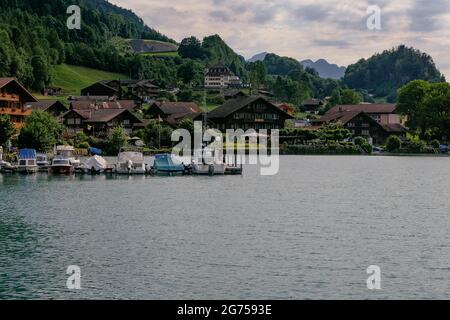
{"x":132,"y":109}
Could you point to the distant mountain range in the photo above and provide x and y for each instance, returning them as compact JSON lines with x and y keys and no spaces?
{"x":325,"y":69}
{"x":322,"y":66}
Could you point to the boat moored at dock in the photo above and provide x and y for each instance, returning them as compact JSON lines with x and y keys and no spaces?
{"x":62,"y":165}
{"x":131,"y":162}
{"x":27,"y":161}
{"x":69,"y":153}
{"x":42,"y":162}
{"x":168,"y":164}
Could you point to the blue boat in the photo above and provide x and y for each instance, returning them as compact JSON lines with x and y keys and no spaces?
{"x":168,"y":163}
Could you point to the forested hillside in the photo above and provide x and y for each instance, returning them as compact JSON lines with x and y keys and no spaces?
{"x":34,"y":37}
{"x":383,"y":74}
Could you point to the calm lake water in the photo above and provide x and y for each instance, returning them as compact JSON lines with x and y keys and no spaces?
{"x":309,"y":232}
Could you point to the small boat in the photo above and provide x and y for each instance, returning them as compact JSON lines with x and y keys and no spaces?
{"x":168,"y":163}
{"x":27,"y":161}
{"x":68,"y":152}
{"x":233,"y":170}
{"x":42,"y":162}
{"x":62,"y":165}
{"x":211,"y":169}
{"x":131,"y":162}
{"x":94,"y":165}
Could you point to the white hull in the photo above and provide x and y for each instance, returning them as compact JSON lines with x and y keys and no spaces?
{"x":27,"y":169}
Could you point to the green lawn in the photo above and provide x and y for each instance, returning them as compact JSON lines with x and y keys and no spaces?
{"x":161,"y":54}
{"x":73,"y":78}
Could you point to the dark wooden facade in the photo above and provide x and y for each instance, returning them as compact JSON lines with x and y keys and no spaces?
{"x":247,"y":113}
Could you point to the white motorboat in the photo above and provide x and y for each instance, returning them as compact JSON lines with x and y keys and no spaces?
{"x":69,"y":153}
{"x":42,"y":162}
{"x":130,"y":162}
{"x":27,"y":161}
{"x":62,"y":165}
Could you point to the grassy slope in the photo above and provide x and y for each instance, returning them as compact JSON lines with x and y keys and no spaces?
{"x":73,"y":78}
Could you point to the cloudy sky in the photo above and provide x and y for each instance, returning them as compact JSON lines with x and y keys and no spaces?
{"x":305,"y":29}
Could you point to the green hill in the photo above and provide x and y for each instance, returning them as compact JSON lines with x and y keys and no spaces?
{"x":73,"y":78}
{"x":384,"y":73}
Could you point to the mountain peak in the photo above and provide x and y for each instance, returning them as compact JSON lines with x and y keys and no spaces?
{"x":325,"y":69}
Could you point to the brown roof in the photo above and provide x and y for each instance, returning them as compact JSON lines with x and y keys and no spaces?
{"x":5,"y":81}
{"x":344,"y":117}
{"x":234,"y":105}
{"x":394,"y":128}
{"x":367,"y":108}
{"x":92,"y":105}
{"x":42,"y":105}
{"x":313,"y":102}
{"x":101,"y":115}
{"x":170,"y":108}
{"x":174,"y":119}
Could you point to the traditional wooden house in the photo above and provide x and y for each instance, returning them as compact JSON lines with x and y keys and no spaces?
{"x":234,"y":94}
{"x":173,"y":112}
{"x":99,"y":122}
{"x":143,"y":89}
{"x":385,"y":114}
{"x":54,"y":107}
{"x":312,"y":106}
{"x":96,"y":105}
{"x":102,"y":88}
{"x":253,"y":112}
{"x":13,"y":97}
{"x":52,"y":91}
{"x":361,"y":124}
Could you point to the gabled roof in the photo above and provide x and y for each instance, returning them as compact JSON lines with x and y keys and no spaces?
{"x":367,"y":108}
{"x":170,"y":108}
{"x":231,"y":106}
{"x":312,"y":102}
{"x":344,"y":117}
{"x":104,"y":83}
{"x":101,"y":115}
{"x":28,"y":96}
{"x":91,"y":104}
{"x":43,"y":105}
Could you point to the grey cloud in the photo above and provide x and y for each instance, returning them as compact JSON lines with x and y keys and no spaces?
{"x":425,"y":15}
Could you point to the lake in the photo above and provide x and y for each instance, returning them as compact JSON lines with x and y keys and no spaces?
{"x":309,"y":232}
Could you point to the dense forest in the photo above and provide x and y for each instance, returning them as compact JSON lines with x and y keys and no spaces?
{"x":383,"y":74}
{"x":34,"y":36}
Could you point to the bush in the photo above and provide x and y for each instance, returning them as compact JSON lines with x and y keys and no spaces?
{"x":363,"y":144}
{"x":393,"y":144}
{"x":435,"y":144}
{"x":83,"y":145}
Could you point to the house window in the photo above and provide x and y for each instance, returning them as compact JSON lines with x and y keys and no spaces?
{"x":70,"y":121}
{"x":77,"y":121}
{"x":366,"y":132}
{"x":126,"y":122}
{"x":351,"y":124}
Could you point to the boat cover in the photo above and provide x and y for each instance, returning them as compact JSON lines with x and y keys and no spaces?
{"x":96,"y":162}
{"x":95,"y":151}
{"x":27,"y":154}
{"x":167,"y":163}
{"x":135,"y":157}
